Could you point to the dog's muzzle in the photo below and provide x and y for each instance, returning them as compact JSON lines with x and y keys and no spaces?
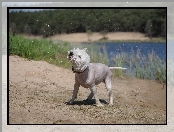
{"x":70,"y":55}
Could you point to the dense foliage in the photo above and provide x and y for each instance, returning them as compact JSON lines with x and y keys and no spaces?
{"x":49,"y":22}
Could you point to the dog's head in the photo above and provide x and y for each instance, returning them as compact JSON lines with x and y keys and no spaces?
{"x":79,"y":59}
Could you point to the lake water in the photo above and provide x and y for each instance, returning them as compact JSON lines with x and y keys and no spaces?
{"x":145,"y":48}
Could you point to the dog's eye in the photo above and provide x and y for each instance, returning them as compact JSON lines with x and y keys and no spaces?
{"x":79,"y":56}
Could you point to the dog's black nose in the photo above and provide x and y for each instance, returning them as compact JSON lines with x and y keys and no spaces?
{"x":71,"y":53}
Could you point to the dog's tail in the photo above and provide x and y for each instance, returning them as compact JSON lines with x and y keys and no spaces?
{"x":117,"y":68}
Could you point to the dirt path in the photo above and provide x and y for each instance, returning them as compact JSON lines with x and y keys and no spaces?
{"x":38,"y":93}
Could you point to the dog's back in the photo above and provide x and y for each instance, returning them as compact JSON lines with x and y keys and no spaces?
{"x":101,"y":72}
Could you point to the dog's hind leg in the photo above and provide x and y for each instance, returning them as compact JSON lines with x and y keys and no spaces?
{"x":75,"y":91}
{"x":94,"y":91}
{"x":109,"y":89}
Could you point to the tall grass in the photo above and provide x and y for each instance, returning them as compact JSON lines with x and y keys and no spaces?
{"x":141,"y":66}
{"x":97,"y":56}
{"x":39,"y":50}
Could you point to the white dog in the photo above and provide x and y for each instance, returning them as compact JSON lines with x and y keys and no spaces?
{"x":89,"y":75}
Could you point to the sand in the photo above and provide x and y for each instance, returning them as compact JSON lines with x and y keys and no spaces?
{"x":39,"y":92}
{"x":83,"y":37}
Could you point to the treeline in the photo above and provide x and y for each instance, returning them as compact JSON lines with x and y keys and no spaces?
{"x":50,"y":22}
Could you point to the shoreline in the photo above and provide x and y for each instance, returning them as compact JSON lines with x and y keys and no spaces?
{"x":129,"y":41}
{"x":97,"y":37}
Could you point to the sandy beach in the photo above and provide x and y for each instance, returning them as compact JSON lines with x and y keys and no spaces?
{"x":83,"y":37}
{"x":38,"y":93}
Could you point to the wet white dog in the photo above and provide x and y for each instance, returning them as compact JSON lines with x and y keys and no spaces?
{"x":89,"y":75}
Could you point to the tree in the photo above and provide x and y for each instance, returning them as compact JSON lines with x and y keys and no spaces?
{"x":149,"y":21}
{"x":163,"y":28}
{"x":89,"y":33}
{"x":27,"y":29}
{"x":13,"y":28}
{"x":148,"y":28}
{"x":103,"y":33}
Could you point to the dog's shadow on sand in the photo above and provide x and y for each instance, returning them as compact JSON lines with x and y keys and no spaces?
{"x":87,"y":102}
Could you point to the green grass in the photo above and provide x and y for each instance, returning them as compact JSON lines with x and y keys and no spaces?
{"x":56,"y":53}
{"x":39,"y":50}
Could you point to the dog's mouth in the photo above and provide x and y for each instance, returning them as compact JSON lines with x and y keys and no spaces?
{"x":70,"y":56}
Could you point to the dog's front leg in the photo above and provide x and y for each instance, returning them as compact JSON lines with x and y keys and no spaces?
{"x":90,"y":96}
{"x":75,"y":91}
{"x":94,"y":91}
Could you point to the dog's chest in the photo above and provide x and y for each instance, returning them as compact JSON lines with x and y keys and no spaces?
{"x":85,"y":80}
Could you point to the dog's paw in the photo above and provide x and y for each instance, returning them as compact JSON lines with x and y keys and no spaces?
{"x":99,"y":105}
{"x":70,"y":102}
{"x":110,"y":104}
